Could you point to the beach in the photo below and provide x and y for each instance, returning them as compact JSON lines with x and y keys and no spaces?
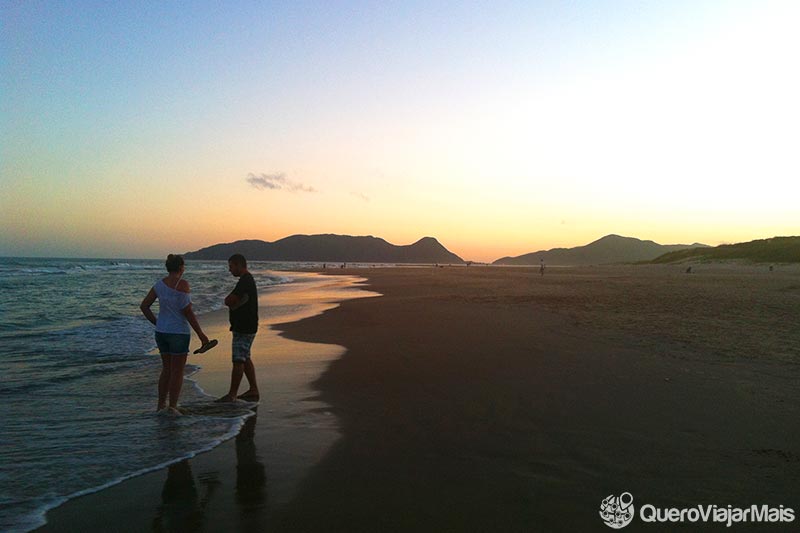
{"x":485,"y":398}
{"x":289,"y":432}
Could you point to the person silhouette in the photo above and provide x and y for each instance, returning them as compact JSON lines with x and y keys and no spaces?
{"x":172,"y":335}
{"x":242,"y":303}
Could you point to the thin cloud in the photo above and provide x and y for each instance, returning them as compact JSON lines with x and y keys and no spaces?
{"x":265,"y":181}
{"x":360,"y":196}
{"x":277,"y":182}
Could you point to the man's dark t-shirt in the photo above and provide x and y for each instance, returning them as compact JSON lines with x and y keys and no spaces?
{"x":245,"y":318}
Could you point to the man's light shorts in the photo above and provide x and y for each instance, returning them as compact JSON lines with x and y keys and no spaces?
{"x":241,"y":346}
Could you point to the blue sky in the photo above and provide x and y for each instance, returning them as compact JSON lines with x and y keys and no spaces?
{"x":499,"y":128}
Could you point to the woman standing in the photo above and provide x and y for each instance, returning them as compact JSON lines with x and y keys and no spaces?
{"x":172,"y":329}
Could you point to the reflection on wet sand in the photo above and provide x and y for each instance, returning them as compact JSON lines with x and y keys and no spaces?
{"x":251,"y":476}
{"x":183,"y":506}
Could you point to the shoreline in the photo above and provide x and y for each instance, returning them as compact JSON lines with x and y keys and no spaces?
{"x":485,"y":398}
{"x":295,"y":365}
{"x":478,"y":399}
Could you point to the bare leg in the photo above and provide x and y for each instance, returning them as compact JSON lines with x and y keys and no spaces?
{"x":250,"y":374}
{"x":163,"y":382}
{"x":236,"y":379}
{"x":176,"y":364}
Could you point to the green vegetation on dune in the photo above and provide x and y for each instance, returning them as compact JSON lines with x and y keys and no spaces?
{"x":774,"y":250}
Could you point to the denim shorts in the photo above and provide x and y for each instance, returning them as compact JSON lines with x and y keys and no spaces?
{"x":173,"y":343}
{"x":240,"y":348}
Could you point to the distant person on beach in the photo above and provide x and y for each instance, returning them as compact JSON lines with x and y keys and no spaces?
{"x":175,"y":315}
{"x":541,"y":267}
{"x":242,"y":303}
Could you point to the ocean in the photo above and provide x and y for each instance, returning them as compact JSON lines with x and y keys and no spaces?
{"x":78,"y":388}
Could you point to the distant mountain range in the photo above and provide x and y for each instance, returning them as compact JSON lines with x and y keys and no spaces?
{"x":774,"y":250}
{"x":609,"y":249}
{"x":331,"y":248}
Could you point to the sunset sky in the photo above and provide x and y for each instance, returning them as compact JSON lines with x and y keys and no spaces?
{"x":134,"y":129}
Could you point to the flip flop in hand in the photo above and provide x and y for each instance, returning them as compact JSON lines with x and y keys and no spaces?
{"x":207,"y":346}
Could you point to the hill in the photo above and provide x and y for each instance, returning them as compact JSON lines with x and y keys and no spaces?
{"x":774,"y":250}
{"x":609,"y":249}
{"x":331,"y":248}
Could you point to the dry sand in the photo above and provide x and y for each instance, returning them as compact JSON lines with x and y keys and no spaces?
{"x":493,"y":398}
{"x":497,"y":399}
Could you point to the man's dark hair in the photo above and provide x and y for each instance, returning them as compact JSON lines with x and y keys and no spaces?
{"x":173,"y":263}
{"x":238,"y":259}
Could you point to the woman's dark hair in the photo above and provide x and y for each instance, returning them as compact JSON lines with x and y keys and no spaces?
{"x":173,"y":263}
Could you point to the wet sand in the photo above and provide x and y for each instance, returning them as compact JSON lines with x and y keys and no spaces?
{"x":237,"y":485}
{"x":497,"y":399}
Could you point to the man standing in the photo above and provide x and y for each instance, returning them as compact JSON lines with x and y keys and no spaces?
{"x":242,"y":303}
